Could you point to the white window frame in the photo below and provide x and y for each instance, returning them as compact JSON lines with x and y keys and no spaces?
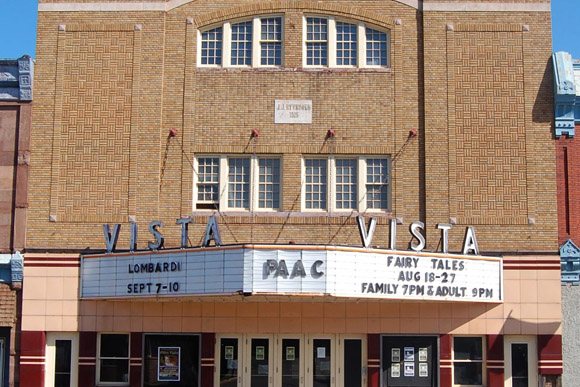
{"x":361,"y":59}
{"x":482,"y":361}
{"x":254,"y":182}
{"x":99,"y":358}
{"x":227,"y":42}
{"x":331,"y":184}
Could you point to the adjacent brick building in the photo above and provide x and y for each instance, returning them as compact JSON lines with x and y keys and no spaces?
{"x":15,"y":112}
{"x":567,"y":115}
{"x":263,"y":160}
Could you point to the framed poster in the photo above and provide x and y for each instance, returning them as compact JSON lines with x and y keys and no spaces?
{"x":168,"y":363}
{"x":423,"y":370}
{"x":290,"y":353}
{"x":395,"y":370}
{"x":396,"y":355}
{"x":409,"y":353}
{"x":229,"y":352}
{"x":260,"y":353}
{"x":422,"y":354}
{"x":409,"y":369}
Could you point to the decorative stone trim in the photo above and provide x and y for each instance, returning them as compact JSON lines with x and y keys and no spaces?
{"x":172,"y":4}
{"x":567,"y":104}
{"x":305,"y":6}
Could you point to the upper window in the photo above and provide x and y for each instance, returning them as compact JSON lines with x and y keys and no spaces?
{"x":113,"y":359}
{"x":335,"y":43}
{"x":346,"y":184}
{"x":237,"y":183}
{"x":246,"y":43}
{"x":468,"y":361}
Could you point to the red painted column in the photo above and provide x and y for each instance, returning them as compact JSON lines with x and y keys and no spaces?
{"x":445,"y":372}
{"x":374,"y":359}
{"x":136,"y":362}
{"x":32,"y":358}
{"x":207,"y":358}
{"x":87,"y":358}
{"x":495,"y":366}
{"x":550,"y":354}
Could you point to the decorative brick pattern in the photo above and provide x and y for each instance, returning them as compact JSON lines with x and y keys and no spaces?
{"x":94,"y":144}
{"x":489,"y":142}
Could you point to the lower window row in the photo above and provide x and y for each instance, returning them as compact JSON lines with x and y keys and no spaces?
{"x":327,"y":184}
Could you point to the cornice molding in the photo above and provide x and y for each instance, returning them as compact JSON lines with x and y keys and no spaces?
{"x":171,"y":4}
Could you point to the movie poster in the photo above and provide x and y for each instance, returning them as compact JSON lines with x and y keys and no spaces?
{"x":168,"y":363}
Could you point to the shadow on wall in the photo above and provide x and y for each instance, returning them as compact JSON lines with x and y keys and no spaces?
{"x":543,"y":109}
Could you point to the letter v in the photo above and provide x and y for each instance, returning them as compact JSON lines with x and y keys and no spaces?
{"x":111,"y":239}
{"x":366,"y":236}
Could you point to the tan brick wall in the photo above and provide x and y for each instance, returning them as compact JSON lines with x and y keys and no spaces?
{"x":7,"y":306}
{"x":372,"y":112}
{"x":93,"y":124}
{"x":472,"y":113}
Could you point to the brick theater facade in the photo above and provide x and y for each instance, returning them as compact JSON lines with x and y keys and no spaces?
{"x":292,"y":193}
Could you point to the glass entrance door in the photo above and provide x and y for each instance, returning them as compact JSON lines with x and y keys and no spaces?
{"x":260,"y":362}
{"x":62,"y":354}
{"x":228,"y":369}
{"x":290,"y":364}
{"x":520,"y":361}
{"x":320,"y":360}
{"x":244,"y":360}
{"x":351,"y":361}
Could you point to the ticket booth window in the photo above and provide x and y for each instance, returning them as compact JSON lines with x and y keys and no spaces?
{"x":468,"y":361}
{"x":113,"y":362}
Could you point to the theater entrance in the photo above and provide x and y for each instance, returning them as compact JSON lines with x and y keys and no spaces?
{"x":290,"y":361}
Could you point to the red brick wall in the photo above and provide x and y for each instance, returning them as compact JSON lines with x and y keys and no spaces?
{"x":568,"y":180}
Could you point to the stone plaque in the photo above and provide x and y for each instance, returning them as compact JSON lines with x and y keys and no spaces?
{"x":287,"y":111}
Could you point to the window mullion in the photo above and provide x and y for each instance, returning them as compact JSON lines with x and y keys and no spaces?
{"x":256,"y":41}
{"x":223,"y":184}
{"x":227,"y":45}
{"x":362,"y":184}
{"x":362,"y":45}
{"x":254,"y":182}
{"x":331,"y":187}
{"x":331,"y":46}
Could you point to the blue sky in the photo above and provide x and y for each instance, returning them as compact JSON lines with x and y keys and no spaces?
{"x":18,"y":27}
